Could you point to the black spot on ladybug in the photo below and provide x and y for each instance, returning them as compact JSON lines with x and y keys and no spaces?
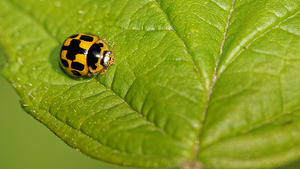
{"x":87,"y":38}
{"x":73,"y":49}
{"x":75,"y":73}
{"x":92,"y":58}
{"x":102,"y":61}
{"x":77,"y":66}
{"x":73,"y":36}
{"x":65,"y":63}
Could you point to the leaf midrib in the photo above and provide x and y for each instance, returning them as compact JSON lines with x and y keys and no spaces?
{"x":195,"y":149}
{"x":213,"y":82}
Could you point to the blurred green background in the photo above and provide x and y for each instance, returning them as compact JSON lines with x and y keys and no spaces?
{"x":27,"y":144}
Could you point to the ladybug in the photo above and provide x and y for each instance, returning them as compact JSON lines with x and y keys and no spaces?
{"x":85,"y":54}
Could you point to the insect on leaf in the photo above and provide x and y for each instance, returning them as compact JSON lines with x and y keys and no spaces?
{"x":196,"y":83}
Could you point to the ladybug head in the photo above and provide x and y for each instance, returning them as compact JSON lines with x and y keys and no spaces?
{"x":108,"y":59}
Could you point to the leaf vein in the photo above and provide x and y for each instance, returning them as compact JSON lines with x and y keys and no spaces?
{"x":205,"y":21}
{"x":101,"y":144}
{"x":248,"y":130}
{"x":96,"y":112}
{"x":141,"y":115}
{"x":223,"y":68}
{"x":181,"y":39}
{"x":218,"y":5}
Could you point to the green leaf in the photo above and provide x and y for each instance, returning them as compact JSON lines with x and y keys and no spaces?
{"x":195,"y":83}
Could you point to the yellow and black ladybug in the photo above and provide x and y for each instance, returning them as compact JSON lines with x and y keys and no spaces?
{"x":85,"y":54}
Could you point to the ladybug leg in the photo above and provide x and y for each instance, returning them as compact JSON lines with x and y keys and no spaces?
{"x":112,"y":52}
{"x":95,"y":73}
{"x":103,"y":71}
{"x":112,"y":58}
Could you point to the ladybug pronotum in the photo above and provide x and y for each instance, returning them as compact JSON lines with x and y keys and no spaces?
{"x":85,"y":54}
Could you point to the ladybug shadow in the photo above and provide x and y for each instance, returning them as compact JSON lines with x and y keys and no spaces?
{"x":55,"y":65}
{"x":54,"y":61}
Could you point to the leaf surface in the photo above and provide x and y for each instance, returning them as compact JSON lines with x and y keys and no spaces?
{"x":195,"y":83}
